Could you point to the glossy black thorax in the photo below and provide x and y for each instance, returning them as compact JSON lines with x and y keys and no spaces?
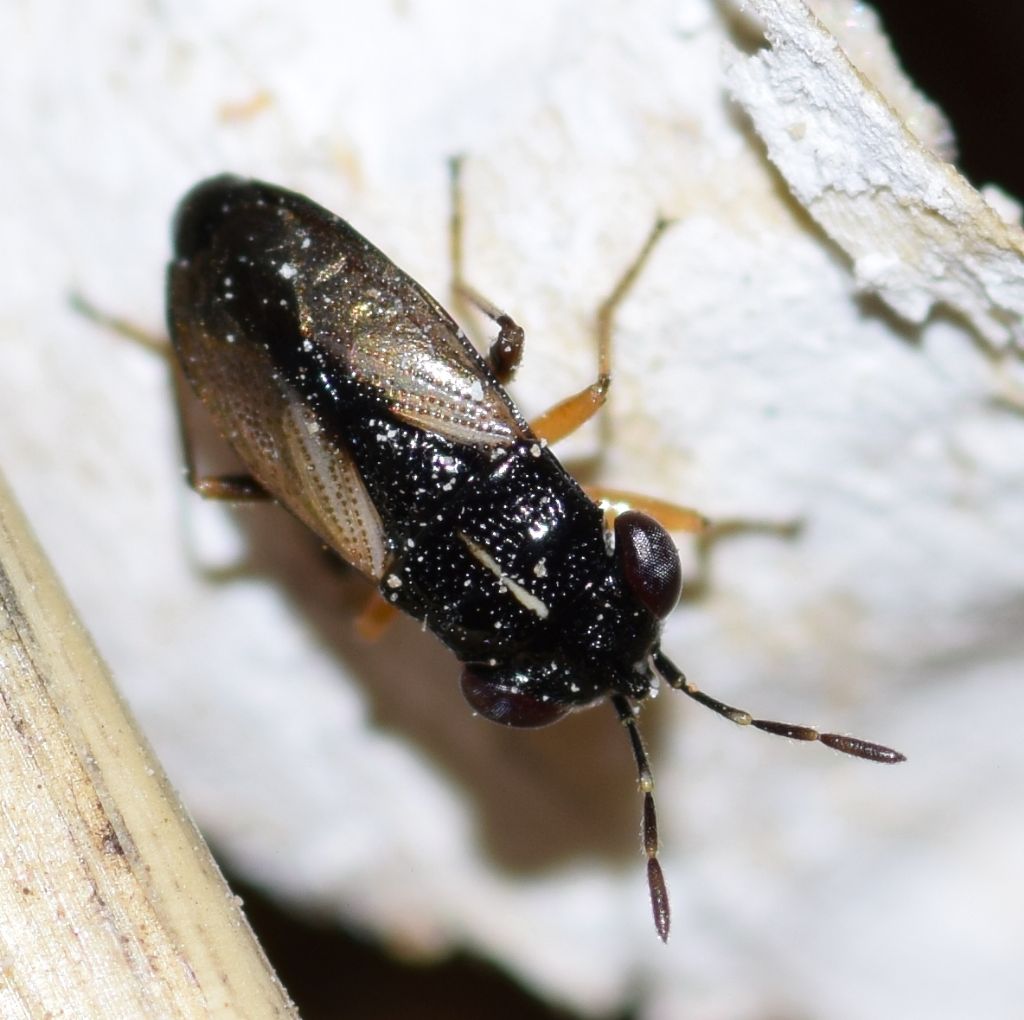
{"x":517,"y":572}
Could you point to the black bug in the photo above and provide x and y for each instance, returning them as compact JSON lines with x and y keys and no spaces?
{"x":355,"y":400}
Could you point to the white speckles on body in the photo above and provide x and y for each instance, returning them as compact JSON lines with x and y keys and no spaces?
{"x":539,"y":568}
{"x":525,"y":598}
{"x":393,"y":581}
{"x":538,"y":529}
{"x":287,"y":270}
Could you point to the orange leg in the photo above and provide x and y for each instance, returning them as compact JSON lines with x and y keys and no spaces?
{"x":671,"y":516}
{"x":375,"y":618}
{"x":697,"y":586}
{"x":568,"y":415}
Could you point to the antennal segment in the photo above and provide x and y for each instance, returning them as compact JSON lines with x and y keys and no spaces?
{"x":655,"y":876}
{"x":674,"y":677}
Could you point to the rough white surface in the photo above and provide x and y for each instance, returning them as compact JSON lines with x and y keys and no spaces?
{"x":752,"y":377}
{"x":917,"y":232}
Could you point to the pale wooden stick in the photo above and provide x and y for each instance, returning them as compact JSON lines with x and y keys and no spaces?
{"x":110,"y":904}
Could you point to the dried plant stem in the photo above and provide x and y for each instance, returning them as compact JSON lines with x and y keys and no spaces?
{"x":110,"y":903}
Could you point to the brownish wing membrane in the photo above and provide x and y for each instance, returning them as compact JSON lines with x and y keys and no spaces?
{"x":277,"y":309}
{"x":425,"y":366}
{"x":375,"y":322}
{"x":281,"y":443}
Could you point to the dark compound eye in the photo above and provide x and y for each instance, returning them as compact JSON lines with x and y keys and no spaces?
{"x":649,"y":560}
{"x":503,"y":696}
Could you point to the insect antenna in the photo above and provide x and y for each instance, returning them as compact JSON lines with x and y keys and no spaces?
{"x":674,"y":677}
{"x":655,"y":877}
